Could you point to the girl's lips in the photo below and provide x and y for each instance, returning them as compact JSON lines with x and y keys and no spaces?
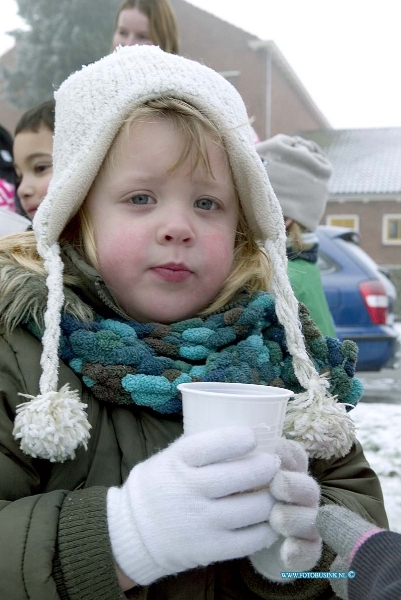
{"x":172,"y":274}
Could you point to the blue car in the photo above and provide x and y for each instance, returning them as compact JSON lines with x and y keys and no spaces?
{"x":360,"y":296}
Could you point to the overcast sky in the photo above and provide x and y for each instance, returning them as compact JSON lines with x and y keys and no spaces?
{"x":347,"y":53}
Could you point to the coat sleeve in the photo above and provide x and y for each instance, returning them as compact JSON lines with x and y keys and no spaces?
{"x":43,"y":556}
{"x":349,"y":482}
{"x":377,"y":564}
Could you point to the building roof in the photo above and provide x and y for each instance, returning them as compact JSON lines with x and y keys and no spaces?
{"x":365,"y":162}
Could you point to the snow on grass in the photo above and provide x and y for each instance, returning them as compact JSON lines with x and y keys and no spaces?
{"x":379,"y":431}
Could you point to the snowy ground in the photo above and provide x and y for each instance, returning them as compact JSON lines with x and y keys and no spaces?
{"x":379,"y":431}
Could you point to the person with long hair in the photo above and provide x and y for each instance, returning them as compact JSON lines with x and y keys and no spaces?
{"x":149,"y":22}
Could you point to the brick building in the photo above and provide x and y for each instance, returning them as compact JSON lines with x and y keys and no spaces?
{"x":365,"y":191}
{"x":365,"y":188}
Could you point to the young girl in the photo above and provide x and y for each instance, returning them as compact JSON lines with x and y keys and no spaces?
{"x":147,"y":271}
{"x":146,"y":22}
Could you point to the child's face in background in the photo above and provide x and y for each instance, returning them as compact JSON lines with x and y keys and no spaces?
{"x":165,"y":241}
{"x":132,"y":28}
{"x":34,"y":167}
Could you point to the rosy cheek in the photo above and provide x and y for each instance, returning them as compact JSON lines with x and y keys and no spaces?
{"x":109,"y":249}
{"x":222,"y":247}
{"x":118,"y":249}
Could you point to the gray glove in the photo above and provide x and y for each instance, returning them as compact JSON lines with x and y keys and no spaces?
{"x":344,"y":531}
{"x":293,"y":517}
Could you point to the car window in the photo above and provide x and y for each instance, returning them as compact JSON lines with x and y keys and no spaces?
{"x":359,"y":254}
{"x":325,"y":264}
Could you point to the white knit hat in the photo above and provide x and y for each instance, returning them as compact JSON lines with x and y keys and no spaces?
{"x":91,"y":106}
{"x":299,"y":173}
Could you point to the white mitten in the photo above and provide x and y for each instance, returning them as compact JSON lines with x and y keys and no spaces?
{"x":182,"y":508}
{"x":293,"y":516}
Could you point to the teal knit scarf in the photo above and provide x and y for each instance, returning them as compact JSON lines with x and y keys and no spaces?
{"x":128,"y":362}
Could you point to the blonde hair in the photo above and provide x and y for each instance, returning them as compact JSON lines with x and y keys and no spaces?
{"x":295,"y":232}
{"x":251,"y":267}
{"x":163,"y":27}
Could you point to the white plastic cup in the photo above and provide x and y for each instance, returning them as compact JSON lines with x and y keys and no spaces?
{"x":210,"y":405}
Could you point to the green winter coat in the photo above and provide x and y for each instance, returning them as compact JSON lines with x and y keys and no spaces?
{"x":306,"y":282}
{"x":53,"y":528}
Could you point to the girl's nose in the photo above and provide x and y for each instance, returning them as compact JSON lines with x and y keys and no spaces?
{"x":25,"y":189}
{"x":175,"y":228}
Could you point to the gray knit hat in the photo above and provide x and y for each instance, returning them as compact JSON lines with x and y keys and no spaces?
{"x":91,"y":106}
{"x":299,"y":173}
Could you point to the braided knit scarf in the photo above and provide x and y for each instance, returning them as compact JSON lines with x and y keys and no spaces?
{"x":129,"y":362}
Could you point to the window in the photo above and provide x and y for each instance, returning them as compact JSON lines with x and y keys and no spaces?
{"x":391,"y":230}
{"x":351,"y":221}
{"x":325,"y":264}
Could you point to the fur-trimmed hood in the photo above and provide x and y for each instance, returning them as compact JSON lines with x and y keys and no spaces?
{"x":23,"y":291}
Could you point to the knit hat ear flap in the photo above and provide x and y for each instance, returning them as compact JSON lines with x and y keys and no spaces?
{"x":53,"y":424}
{"x":313,"y":417}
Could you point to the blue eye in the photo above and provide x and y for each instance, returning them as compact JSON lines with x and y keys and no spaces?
{"x":142,"y":199}
{"x":206,"y":204}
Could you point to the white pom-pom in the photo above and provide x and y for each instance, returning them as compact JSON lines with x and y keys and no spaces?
{"x":320,"y":424}
{"x":52,"y":425}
